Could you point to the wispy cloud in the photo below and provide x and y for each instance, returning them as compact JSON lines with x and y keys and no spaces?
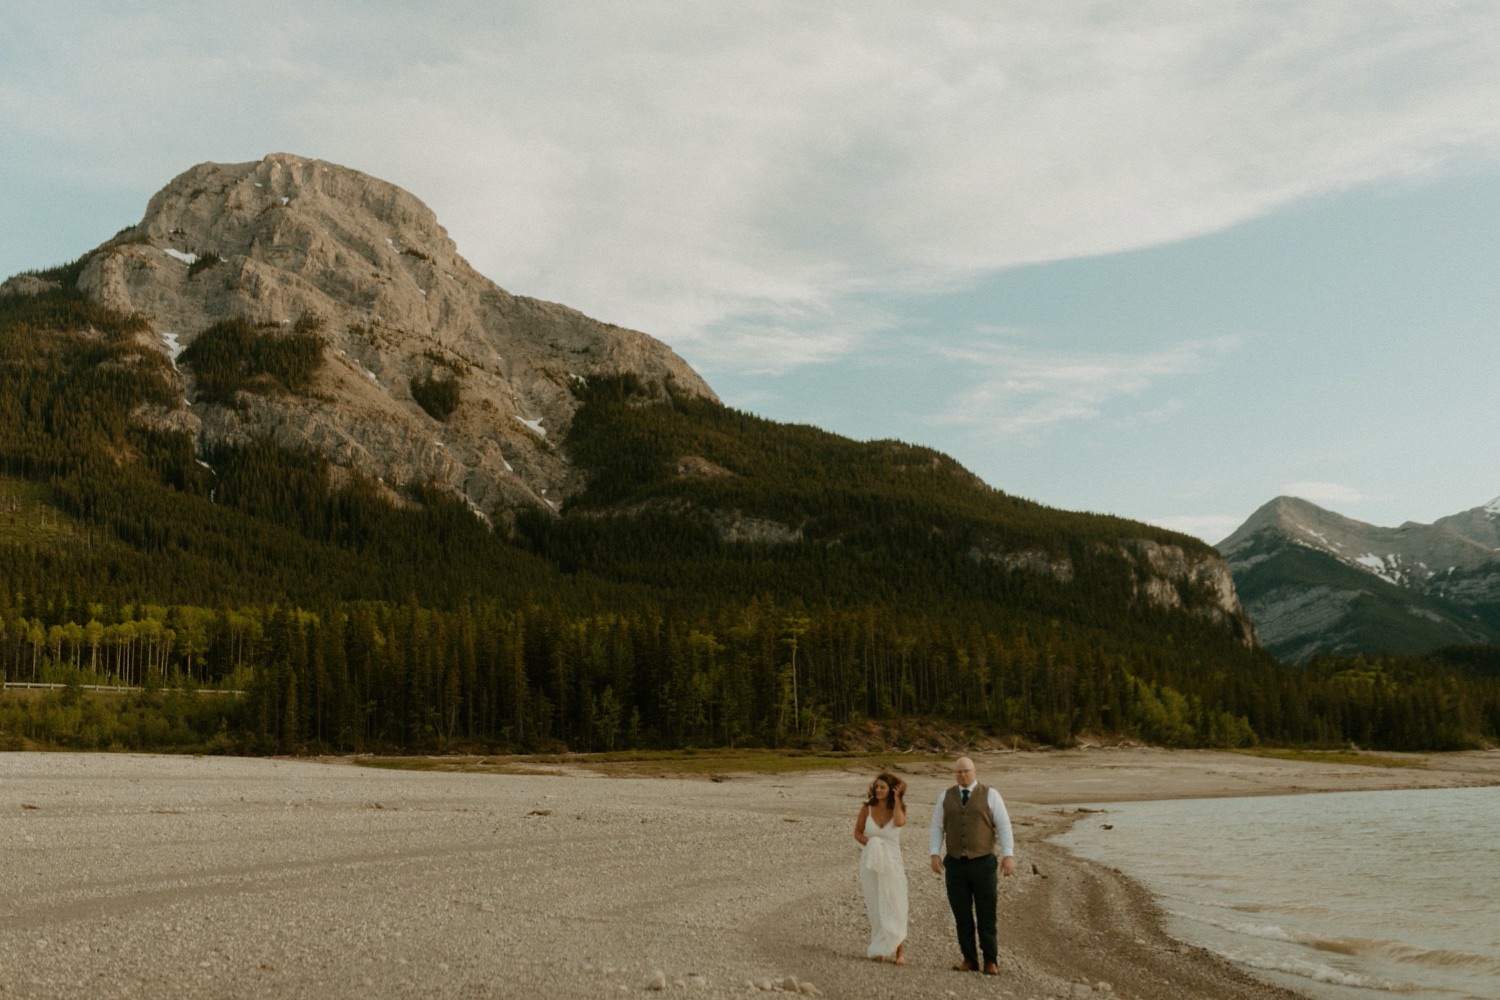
{"x":674,"y":167}
{"x":1025,"y":389}
{"x":1331,"y":494}
{"x":760,"y":347}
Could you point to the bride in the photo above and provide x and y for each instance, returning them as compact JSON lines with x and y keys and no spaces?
{"x":881,"y":872}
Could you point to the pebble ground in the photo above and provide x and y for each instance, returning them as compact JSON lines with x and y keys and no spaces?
{"x":132,"y":876}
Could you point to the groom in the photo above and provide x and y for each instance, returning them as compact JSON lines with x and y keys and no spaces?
{"x":972,"y":818}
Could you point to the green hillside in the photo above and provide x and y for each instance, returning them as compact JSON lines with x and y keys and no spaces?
{"x":675,"y":480}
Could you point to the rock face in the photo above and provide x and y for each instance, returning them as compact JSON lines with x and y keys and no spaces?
{"x":1163,"y":574}
{"x":1173,"y":569}
{"x":289,"y":239}
{"x":1314,"y":581}
{"x":26,"y":284}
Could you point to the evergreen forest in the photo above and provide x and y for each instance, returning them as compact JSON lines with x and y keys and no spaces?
{"x":724,"y":580}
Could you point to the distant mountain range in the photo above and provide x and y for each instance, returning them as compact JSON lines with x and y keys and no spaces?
{"x":1314,"y":581}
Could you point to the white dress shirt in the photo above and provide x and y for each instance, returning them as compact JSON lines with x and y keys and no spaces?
{"x":997,"y":813}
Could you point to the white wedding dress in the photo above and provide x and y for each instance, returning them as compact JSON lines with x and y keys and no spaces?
{"x":883,"y":878}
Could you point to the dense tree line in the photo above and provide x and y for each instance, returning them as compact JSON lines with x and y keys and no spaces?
{"x":374,"y":675}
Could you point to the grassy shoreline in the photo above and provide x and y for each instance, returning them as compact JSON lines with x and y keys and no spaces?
{"x":720,"y":763}
{"x":715,"y":764}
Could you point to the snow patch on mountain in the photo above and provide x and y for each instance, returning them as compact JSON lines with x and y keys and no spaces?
{"x":1387,"y":567}
{"x":174,"y":346}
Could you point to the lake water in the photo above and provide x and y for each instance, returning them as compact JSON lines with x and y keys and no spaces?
{"x":1357,"y":895}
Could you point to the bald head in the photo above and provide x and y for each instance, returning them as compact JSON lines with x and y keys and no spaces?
{"x":963,"y":771}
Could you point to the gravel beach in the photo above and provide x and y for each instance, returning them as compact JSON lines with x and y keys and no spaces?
{"x":161,"y":876}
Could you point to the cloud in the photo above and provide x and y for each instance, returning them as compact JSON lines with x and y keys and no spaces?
{"x":676,"y":168}
{"x":760,"y":348}
{"x":1025,"y":389}
{"x":1329,"y":494}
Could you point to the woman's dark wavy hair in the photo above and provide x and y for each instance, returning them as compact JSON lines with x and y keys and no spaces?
{"x":891,"y":782}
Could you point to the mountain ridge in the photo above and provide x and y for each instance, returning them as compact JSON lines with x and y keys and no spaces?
{"x":1412,"y":551}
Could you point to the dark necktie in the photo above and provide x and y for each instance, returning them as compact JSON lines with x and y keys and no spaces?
{"x":964,"y":794}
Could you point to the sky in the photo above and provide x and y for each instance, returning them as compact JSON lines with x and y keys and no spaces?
{"x":1166,"y":260}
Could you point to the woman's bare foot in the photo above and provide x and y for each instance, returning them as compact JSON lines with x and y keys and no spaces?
{"x":877,"y":958}
{"x":900,"y":958}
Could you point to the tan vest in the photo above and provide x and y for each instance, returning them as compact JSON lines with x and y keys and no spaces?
{"x":969,"y":829}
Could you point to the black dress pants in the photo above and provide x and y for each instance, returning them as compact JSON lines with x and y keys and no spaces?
{"x":972,"y":894}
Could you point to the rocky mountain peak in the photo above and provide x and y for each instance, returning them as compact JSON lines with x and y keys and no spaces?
{"x":1480,"y":525}
{"x":288,"y":240}
{"x":1411,"y":553}
{"x":1288,"y":515}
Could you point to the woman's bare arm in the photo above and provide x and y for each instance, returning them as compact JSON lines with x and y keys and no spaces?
{"x":859,"y":824}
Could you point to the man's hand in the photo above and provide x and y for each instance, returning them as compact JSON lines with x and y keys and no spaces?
{"x":1007,"y":866}
{"x":937,"y":865}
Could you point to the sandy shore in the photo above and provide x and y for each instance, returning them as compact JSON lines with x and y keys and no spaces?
{"x":133,"y":876}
